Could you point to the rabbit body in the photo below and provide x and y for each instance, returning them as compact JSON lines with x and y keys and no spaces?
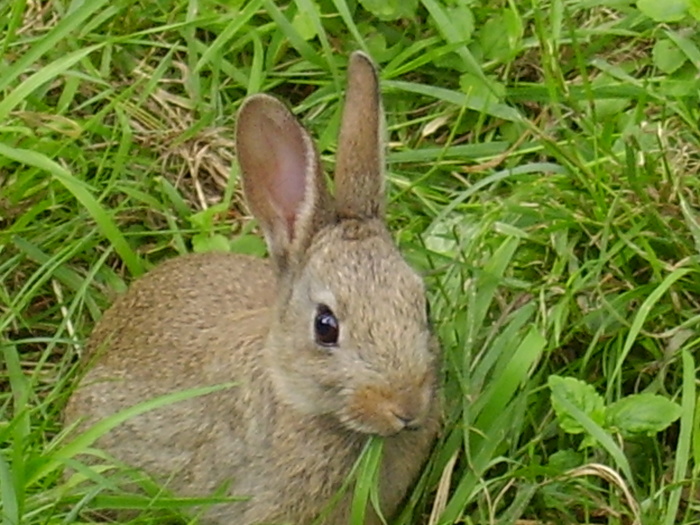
{"x":327,"y":343}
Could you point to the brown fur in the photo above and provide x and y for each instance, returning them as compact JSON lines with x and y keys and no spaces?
{"x":290,"y":431}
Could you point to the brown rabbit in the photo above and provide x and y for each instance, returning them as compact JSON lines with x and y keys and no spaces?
{"x":328,"y":343}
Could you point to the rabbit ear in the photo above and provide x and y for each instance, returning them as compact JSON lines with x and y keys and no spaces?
{"x":282,"y":178}
{"x":359,"y":177}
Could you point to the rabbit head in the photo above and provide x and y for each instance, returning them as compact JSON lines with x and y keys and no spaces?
{"x":349,"y":337}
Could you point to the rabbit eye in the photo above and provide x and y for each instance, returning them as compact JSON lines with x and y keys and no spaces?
{"x":326,"y":326}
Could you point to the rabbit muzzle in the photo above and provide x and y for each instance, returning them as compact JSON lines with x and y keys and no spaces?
{"x":385,"y":411}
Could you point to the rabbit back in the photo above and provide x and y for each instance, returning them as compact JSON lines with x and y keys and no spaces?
{"x":193,"y":321}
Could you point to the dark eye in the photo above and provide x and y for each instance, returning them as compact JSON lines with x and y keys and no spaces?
{"x":326,"y":326}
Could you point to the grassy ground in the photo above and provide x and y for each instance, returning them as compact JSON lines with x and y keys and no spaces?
{"x":543,"y":170}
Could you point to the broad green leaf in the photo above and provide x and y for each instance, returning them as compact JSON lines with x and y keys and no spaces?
{"x":500,"y":35}
{"x":580,"y":394}
{"x":306,"y":50}
{"x":304,"y":25}
{"x":202,"y":243}
{"x":455,"y":33}
{"x":667,"y":56}
{"x":664,"y":10}
{"x":463,"y":18}
{"x":391,"y":9}
{"x":642,"y":414}
{"x":686,"y":42}
{"x":204,"y":220}
{"x":489,"y":92}
{"x":563,"y":460}
{"x":694,"y":9}
{"x":377,"y":46}
{"x":248,"y":244}
{"x":595,"y":432}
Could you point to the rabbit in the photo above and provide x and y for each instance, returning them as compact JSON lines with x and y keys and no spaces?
{"x":328,"y":341}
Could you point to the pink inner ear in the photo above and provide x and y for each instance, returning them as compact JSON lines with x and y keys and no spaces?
{"x":285,"y":180}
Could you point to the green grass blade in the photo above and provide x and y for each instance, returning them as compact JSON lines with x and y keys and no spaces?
{"x":13,"y":474}
{"x":81,"y":192}
{"x":80,"y":443}
{"x":69,"y":24}
{"x":344,"y":12}
{"x":41,"y":77}
{"x":641,"y":317}
{"x":682,"y":457}
{"x":237,"y":23}
{"x":454,"y":35}
{"x":9,"y":505}
{"x":457,"y":98}
{"x":367,"y":478}
{"x":305,"y":49}
{"x":308,"y":7}
{"x":514,"y":375}
{"x":600,"y":435}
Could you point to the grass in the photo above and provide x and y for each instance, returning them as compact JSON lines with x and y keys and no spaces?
{"x":543,"y":174}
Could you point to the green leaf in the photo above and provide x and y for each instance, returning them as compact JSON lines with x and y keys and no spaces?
{"x":487,"y":93}
{"x":694,"y":9}
{"x":304,"y":25}
{"x":204,"y":220}
{"x":248,"y":244}
{"x":667,"y":56}
{"x":580,"y":394}
{"x":500,"y":36}
{"x":391,"y":9}
{"x":642,"y":414}
{"x":203,"y":242}
{"x":455,"y":33}
{"x":664,"y":10}
{"x":563,"y":460}
{"x":463,"y":18}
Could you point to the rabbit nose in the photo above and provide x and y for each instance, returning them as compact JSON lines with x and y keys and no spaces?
{"x":408,"y":421}
{"x":410,"y":408}
{"x":381,"y":410}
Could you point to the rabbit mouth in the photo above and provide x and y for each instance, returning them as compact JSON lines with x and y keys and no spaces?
{"x":386,"y":412}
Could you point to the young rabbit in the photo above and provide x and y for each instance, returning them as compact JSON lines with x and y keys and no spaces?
{"x":328,"y":343}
